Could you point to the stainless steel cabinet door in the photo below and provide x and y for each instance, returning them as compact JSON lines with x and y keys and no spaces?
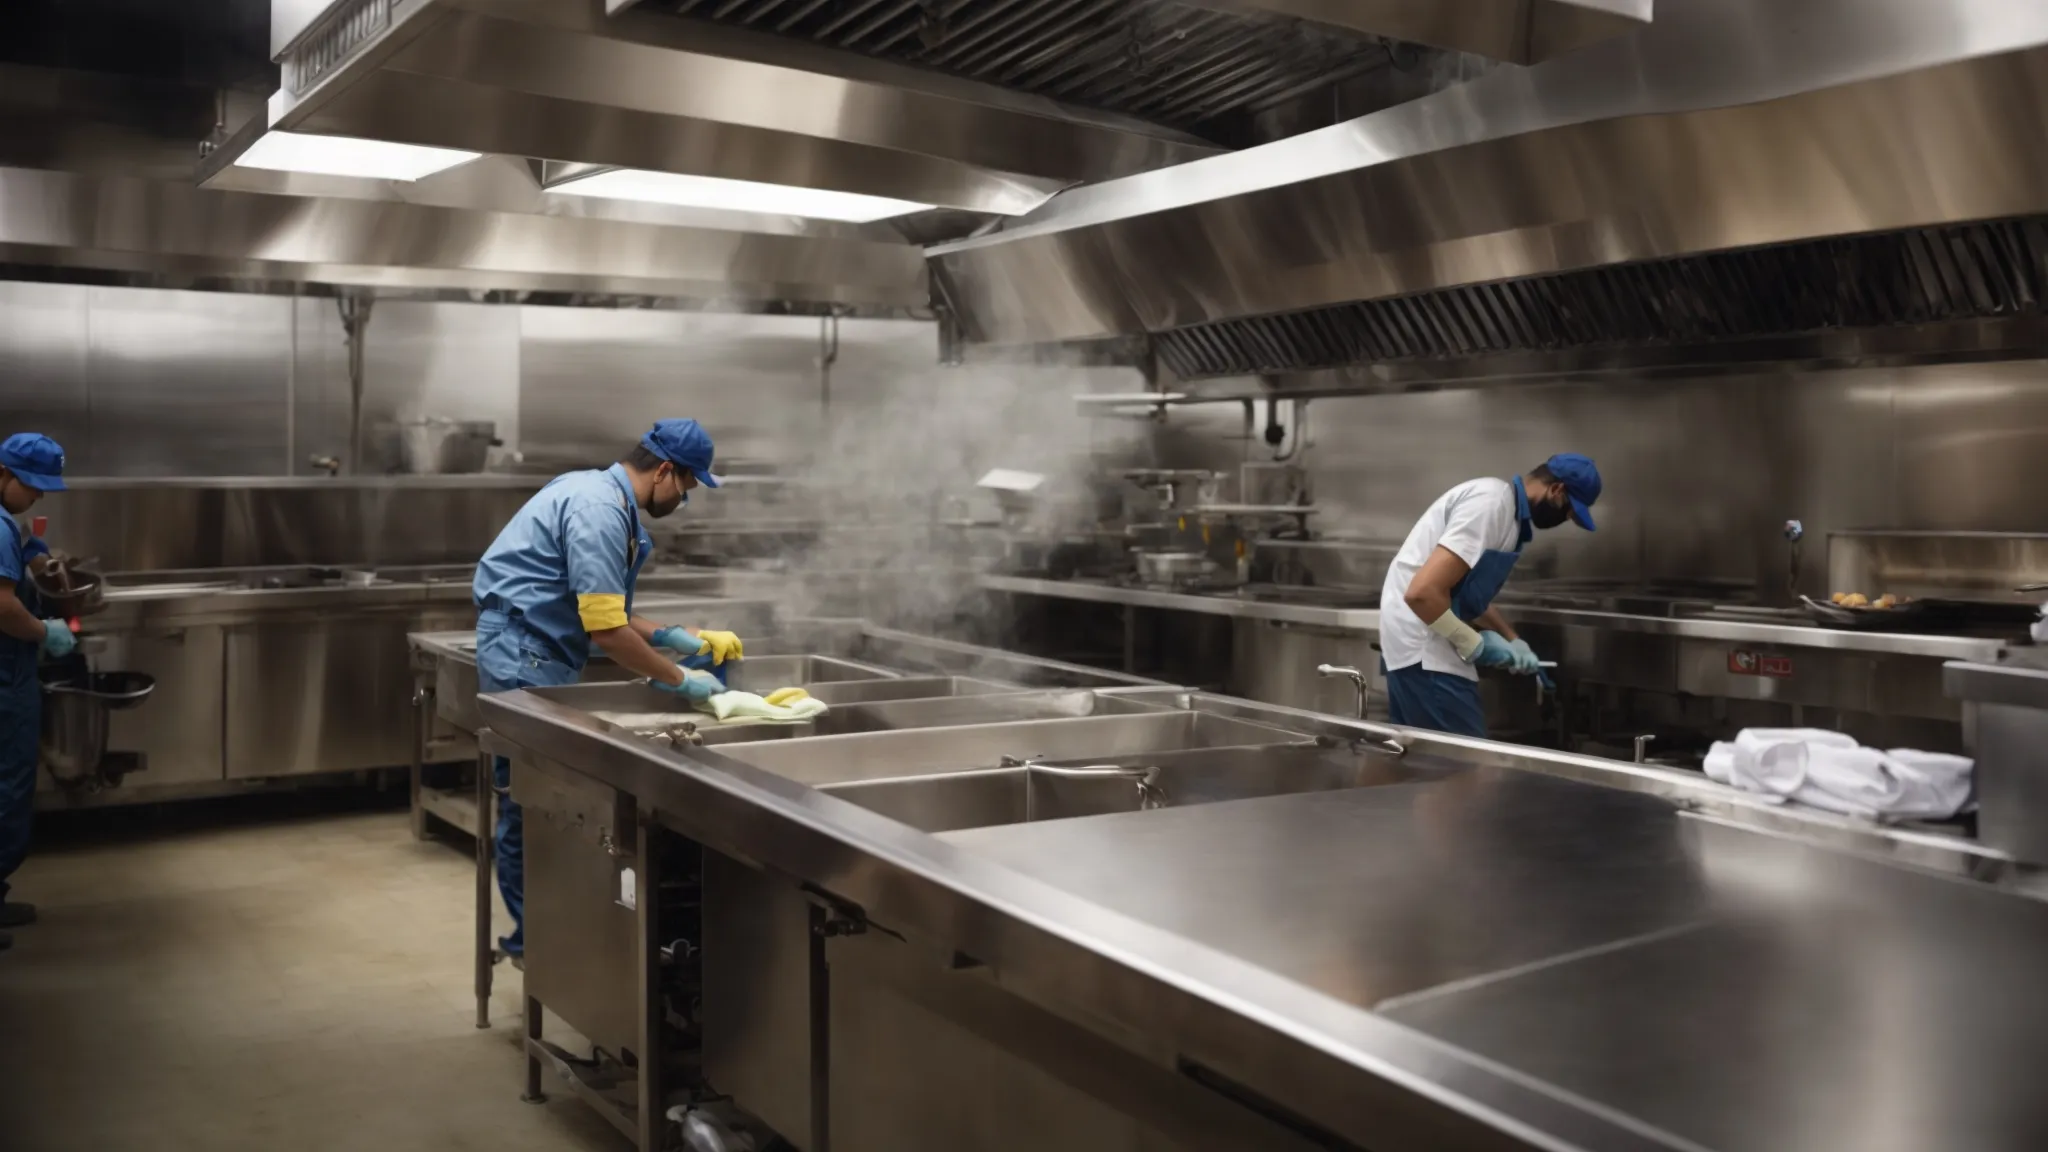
{"x":179,"y":727}
{"x":311,"y":694}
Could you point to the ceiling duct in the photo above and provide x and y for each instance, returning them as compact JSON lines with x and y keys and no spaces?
{"x":561,"y":81}
{"x":1517,"y":31}
{"x":69,"y":220}
{"x":1577,"y":202}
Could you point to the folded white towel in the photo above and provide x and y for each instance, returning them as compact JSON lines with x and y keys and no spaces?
{"x":746,"y":705}
{"x":1830,"y":771}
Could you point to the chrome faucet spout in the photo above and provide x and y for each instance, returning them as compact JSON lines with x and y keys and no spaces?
{"x":1359,"y":683}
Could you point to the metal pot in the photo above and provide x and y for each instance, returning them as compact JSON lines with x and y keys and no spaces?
{"x":435,"y":445}
{"x":76,"y":704}
{"x":1172,"y":567}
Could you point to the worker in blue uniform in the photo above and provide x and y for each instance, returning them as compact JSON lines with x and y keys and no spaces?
{"x":30,"y":465}
{"x":559,"y":579}
{"x":1437,"y":619}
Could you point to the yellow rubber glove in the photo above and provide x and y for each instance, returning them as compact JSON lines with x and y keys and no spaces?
{"x":786,"y":696}
{"x":723,"y":646}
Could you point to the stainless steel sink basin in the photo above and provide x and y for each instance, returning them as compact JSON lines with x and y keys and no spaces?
{"x":823,"y":760}
{"x":984,"y":708}
{"x":764,"y":674}
{"x":981,"y":798}
{"x":640,"y":708}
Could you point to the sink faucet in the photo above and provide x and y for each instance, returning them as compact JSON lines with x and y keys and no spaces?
{"x":1357,"y":678}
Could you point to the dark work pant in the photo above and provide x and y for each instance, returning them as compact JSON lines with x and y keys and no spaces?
{"x":1438,"y":701}
{"x":21,"y":708}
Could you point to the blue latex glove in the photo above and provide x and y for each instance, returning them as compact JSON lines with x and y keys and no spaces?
{"x":708,"y":663}
{"x":1494,"y":651}
{"x":1526,"y":662}
{"x":696,"y":687}
{"x":57,"y":638}
{"x":677,"y":639}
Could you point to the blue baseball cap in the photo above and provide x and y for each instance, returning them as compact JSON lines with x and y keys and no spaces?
{"x":35,"y":459}
{"x":685,"y":444}
{"x":1581,"y":482}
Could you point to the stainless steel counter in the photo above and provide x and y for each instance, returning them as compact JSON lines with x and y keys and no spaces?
{"x":271,"y":673}
{"x":1730,"y":627}
{"x":1452,"y":951}
{"x":444,"y":689}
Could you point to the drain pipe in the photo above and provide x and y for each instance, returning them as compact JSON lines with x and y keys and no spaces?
{"x":1276,"y":433}
{"x":355,"y":320}
{"x":828,"y":355}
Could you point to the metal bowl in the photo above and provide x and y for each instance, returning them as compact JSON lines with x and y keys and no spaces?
{"x":86,"y":595}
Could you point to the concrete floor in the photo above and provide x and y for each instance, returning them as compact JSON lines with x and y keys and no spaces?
{"x":227,"y":983}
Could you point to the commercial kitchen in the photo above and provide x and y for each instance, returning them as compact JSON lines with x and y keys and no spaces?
{"x":1095,"y":387}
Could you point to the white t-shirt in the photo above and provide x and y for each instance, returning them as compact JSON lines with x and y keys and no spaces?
{"x":1470,"y":519}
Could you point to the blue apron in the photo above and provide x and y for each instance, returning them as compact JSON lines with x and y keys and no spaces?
{"x":1444,"y":701}
{"x":517,"y":649}
{"x":21,"y":712}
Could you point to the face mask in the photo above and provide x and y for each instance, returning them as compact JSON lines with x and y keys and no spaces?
{"x":661,"y":508}
{"x":1548,"y":515}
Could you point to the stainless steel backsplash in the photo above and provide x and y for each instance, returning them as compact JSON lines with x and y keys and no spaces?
{"x":129,"y":526}
{"x":154,"y":382}
{"x":1701,"y":474}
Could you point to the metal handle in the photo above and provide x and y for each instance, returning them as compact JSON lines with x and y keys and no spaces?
{"x":1643,"y":743}
{"x":1151,"y":795}
{"x":1091,"y":771}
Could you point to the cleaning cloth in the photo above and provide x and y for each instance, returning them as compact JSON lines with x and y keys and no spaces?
{"x":1832,"y":772}
{"x":784,"y":704}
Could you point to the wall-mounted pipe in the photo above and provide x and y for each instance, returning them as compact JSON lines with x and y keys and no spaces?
{"x":355,"y":321}
{"x":1277,"y":433}
{"x":828,"y":355}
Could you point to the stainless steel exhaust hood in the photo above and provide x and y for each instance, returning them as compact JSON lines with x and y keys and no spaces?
{"x":69,"y":220}
{"x":1509,"y":212}
{"x":560,"y":81}
{"x":1517,"y":31}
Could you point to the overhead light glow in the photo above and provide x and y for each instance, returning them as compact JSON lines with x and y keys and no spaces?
{"x":737,"y":195}
{"x":349,"y":156}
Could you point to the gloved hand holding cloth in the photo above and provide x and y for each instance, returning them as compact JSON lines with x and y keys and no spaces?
{"x":696,"y":686}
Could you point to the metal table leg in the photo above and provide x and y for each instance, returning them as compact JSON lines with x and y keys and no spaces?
{"x":485,"y":849}
{"x":533,"y":1094}
{"x":422,"y":706}
{"x":651,"y":1103}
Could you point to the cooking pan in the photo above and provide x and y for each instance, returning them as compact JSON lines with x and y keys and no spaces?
{"x":1924,"y":614}
{"x":1870,"y":617}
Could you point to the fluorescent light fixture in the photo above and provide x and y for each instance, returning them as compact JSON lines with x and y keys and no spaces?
{"x":348,"y":156}
{"x":1011,"y":480}
{"x":737,"y":195}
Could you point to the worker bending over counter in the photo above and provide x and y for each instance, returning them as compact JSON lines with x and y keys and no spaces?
{"x":1438,"y":624}
{"x":30,"y":465}
{"x":560,"y":578}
